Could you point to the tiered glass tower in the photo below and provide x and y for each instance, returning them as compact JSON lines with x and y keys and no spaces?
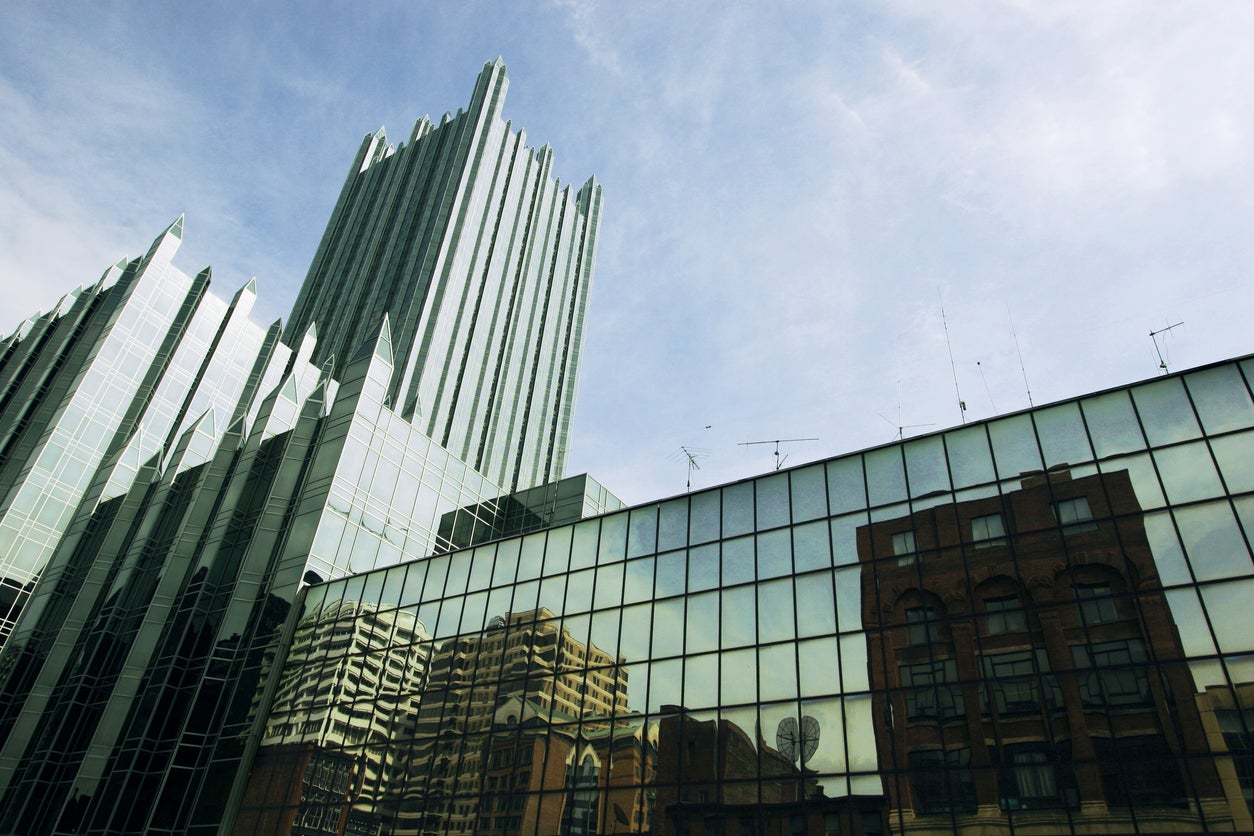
{"x":172,"y":474}
{"x":482,"y":261}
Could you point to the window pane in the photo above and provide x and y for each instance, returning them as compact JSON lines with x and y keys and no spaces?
{"x":1063,"y":439}
{"x":969,"y":457}
{"x":845,"y":488}
{"x":1014,"y":446}
{"x":809,"y":493}
{"x":1165,"y":412}
{"x":1188,"y":473}
{"x":738,"y":509}
{"x":926,"y":466}
{"x":772,"y":501}
{"x":1112,"y":424}
{"x":886,"y":477}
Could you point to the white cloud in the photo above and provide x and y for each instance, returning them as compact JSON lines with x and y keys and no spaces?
{"x":786,"y":189}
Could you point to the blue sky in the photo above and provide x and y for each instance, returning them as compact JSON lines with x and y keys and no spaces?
{"x":792,"y":189}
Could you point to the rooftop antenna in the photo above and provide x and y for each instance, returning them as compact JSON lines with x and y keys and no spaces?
{"x":1020,"y":353}
{"x":777,"y":441}
{"x":1162,"y":364}
{"x":962,"y":405}
{"x":901,"y":428}
{"x":987,"y":391}
{"x":689,"y":456}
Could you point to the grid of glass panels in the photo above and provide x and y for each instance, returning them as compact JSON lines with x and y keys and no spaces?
{"x":1037,"y":621}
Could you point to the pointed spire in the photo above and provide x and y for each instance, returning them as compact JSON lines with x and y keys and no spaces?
{"x":168,"y":241}
{"x":247,"y":293}
{"x":378,"y":346}
{"x":307,"y":344}
{"x":196,"y":445}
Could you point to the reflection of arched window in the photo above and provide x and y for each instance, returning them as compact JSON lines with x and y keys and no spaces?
{"x":1002,"y":603}
{"x":1096,"y":590}
{"x":924,"y":617}
{"x":580,"y":815}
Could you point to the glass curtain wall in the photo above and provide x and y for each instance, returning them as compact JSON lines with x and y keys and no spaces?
{"x":1039,"y":621}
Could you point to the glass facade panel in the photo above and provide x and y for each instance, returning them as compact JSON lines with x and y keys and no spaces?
{"x":1113,"y":424}
{"x":1166,"y":412}
{"x":738,"y":509}
{"x":773,"y":505}
{"x":926,"y":467}
{"x":885,"y":476}
{"x":1062,"y":435}
{"x":1014,"y":446}
{"x":1235,"y":455}
{"x":970,"y":459}
{"x":809,"y":493}
{"x":846,"y":488}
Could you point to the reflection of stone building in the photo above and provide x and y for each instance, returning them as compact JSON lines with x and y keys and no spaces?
{"x":1035,"y":676}
{"x":529,"y":657}
{"x":327,"y":753}
{"x":713,"y":777}
{"x":548,"y":772}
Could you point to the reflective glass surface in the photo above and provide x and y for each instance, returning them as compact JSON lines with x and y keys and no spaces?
{"x":1037,"y":623}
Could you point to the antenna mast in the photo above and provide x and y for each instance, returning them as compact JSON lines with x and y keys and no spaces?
{"x":901,"y":428}
{"x":962,"y":405}
{"x":1162,"y":364}
{"x":777,"y":441}
{"x":1020,"y":353}
{"x":689,"y":455}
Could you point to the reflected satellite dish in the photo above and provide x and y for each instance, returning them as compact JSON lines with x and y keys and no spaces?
{"x":793,"y":740}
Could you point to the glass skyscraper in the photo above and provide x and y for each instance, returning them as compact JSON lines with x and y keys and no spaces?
{"x":273,"y":600}
{"x":482,"y":261}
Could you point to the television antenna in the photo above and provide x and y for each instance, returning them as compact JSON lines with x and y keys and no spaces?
{"x":795,"y":741}
{"x":987,"y":390}
{"x":1162,"y":364}
{"x":1020,"y":353}
{"x":689,"y":456}
{"x":901,"y":428}
{"x":777,"y":441}
{"x":962,"y":405}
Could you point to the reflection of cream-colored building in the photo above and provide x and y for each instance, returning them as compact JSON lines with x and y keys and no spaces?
{"x":526,"y":656}
{"x":1228,"y":717}
{"x":329,"y":737}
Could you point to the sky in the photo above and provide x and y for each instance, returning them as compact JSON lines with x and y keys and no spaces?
{"x":821,"y":220}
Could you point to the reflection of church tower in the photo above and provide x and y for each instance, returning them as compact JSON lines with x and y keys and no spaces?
{"x":1033,"y":672}
{"x":528,"y":661}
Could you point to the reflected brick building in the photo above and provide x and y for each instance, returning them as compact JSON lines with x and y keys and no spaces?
{"x":1029,"y":668}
